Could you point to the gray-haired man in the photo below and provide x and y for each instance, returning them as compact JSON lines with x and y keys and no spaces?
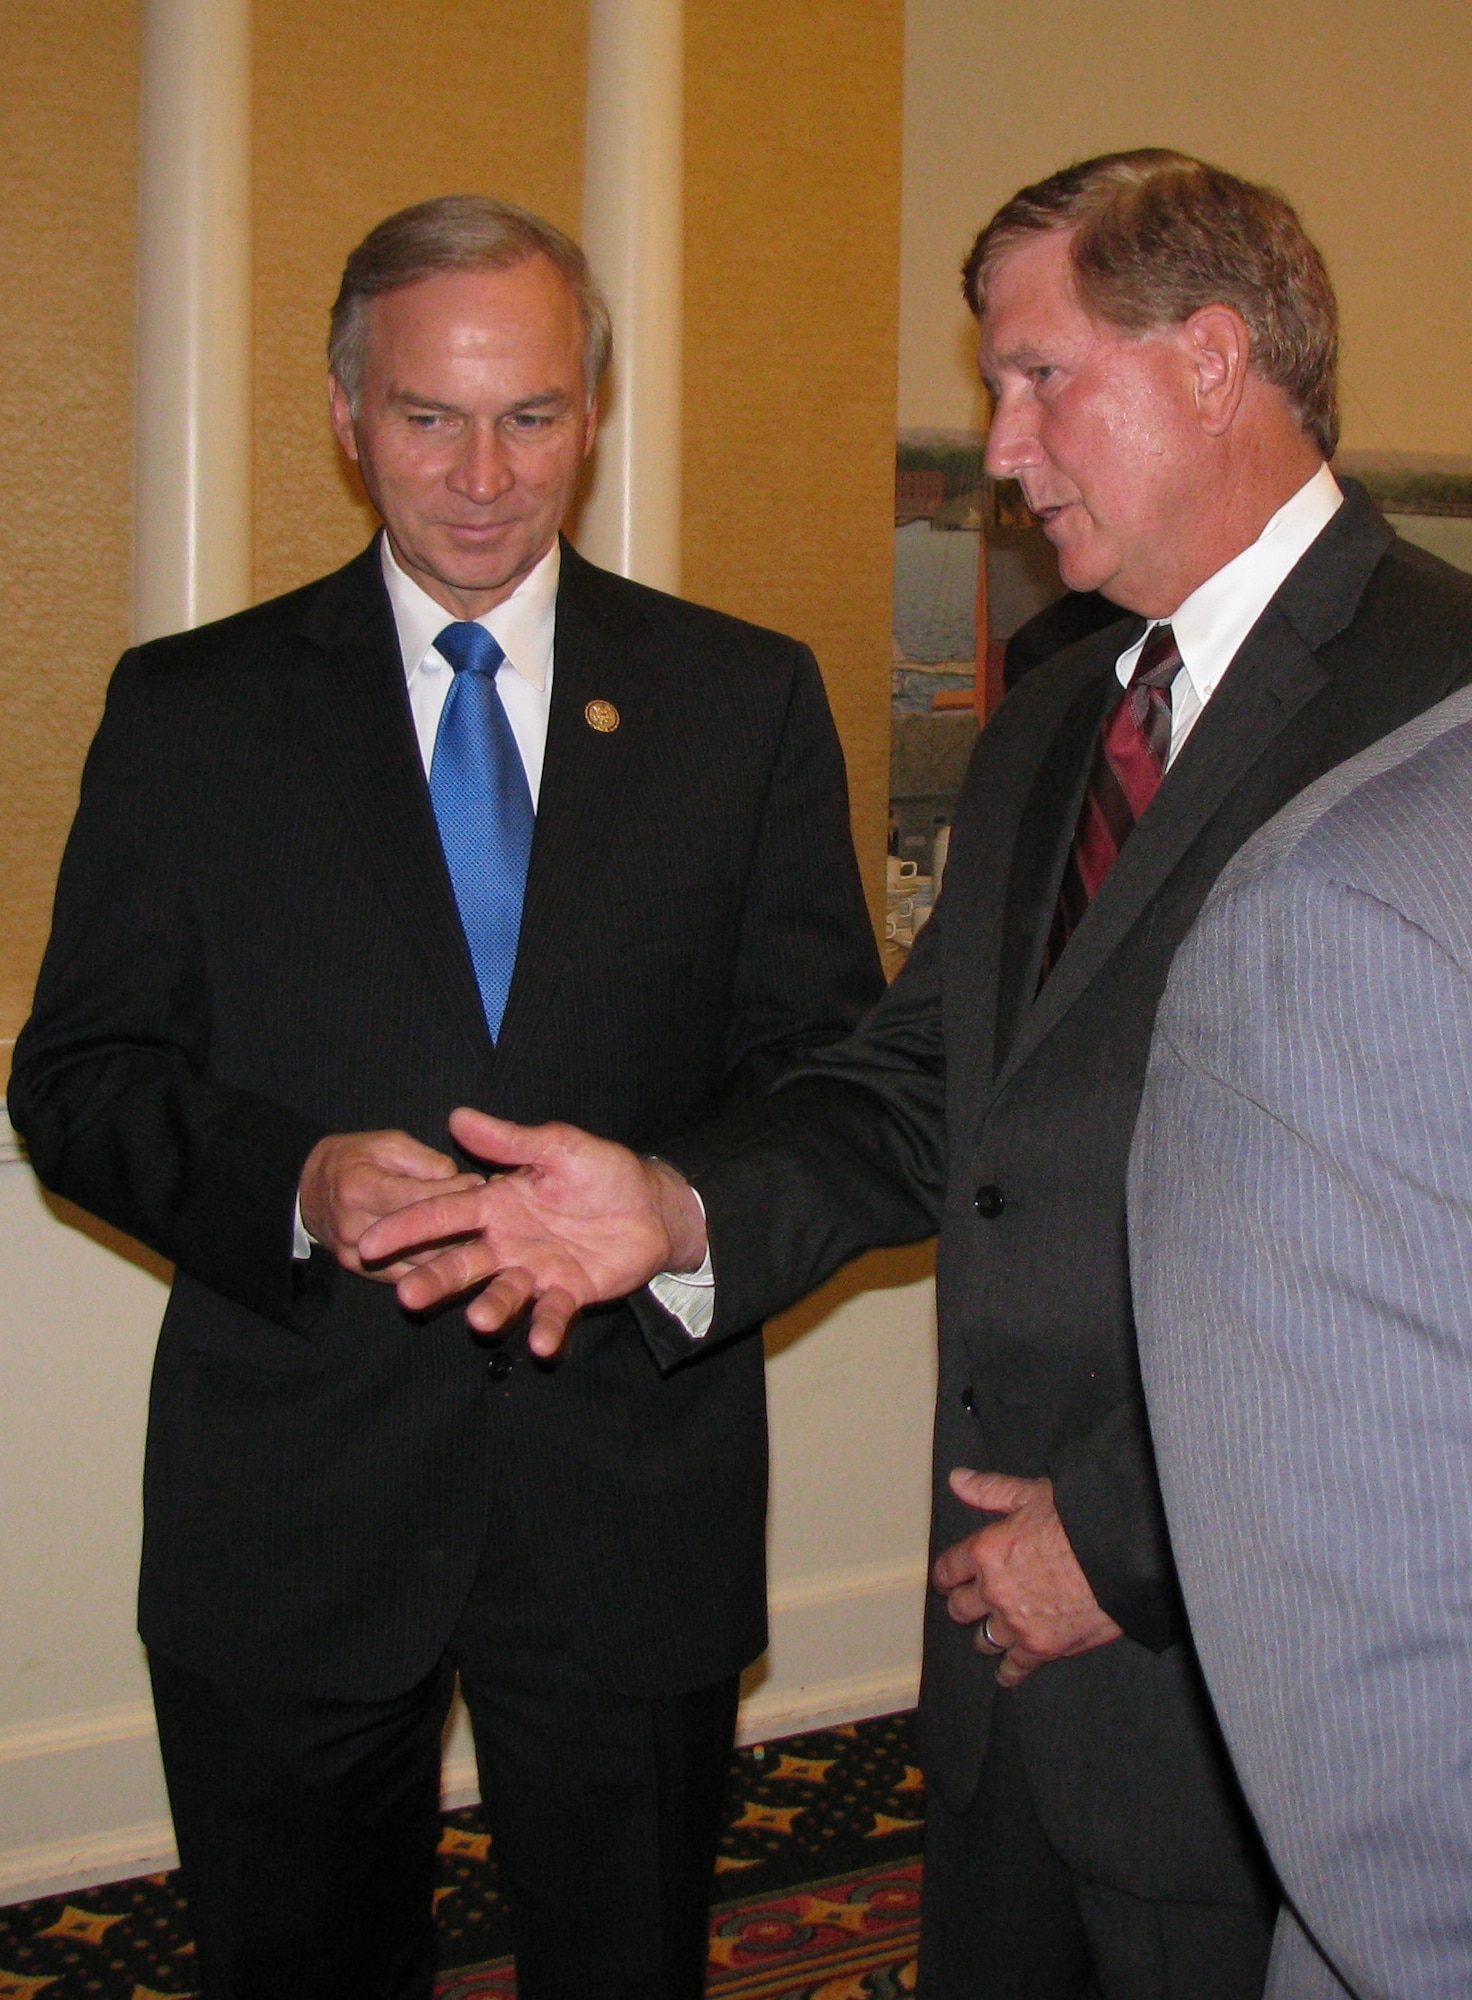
{"x":469,"y":821}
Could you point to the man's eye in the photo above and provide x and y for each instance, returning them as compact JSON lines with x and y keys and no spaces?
{"x":425,"y":420}
{"x":530,"y":421}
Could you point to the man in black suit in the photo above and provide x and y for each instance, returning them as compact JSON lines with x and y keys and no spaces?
{"x":1159,"y":340}
{"x":283,"y":950}
{"x":1073,"y":616}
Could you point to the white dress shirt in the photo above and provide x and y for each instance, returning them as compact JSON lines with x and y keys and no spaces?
{"x":1213,"y":621}
{"x":524,"y":626}
{"x":1209,"y":627}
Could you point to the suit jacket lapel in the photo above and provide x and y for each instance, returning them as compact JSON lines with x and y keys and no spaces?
{"x":1272,"y":677}
{"x":1044,"y":835}
{"x":597,"y":659}
{"x":353,"y":709}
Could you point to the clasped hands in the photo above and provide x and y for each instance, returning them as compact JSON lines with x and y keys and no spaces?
{"x":575,"y":1221}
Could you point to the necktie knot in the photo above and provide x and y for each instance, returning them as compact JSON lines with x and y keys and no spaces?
{"x":1160,"y":659}
{"x":1147,"y":699}
{"x":469,"y":647}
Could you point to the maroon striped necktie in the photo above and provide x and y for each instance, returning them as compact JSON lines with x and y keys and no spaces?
{"x":1129,"y":763}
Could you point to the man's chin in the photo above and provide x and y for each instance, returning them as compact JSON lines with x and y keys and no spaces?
{"x":1082,"y":564}
{"x":481,"y":562}
{"x":1070,"y":537}
{"x":472,"y":575}
{"x":1079,"y":572}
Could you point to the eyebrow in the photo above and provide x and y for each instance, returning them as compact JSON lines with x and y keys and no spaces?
{"x":542,"y":400}
{"x":1021,"y":357}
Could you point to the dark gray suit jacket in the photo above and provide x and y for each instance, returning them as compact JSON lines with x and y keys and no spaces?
{"x":962,"y":1085}
{"x":1301,"y":1210}
{"x":256,"y":943}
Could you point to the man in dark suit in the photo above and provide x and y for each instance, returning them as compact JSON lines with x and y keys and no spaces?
{"x":1159,"y":339}
{"x":468,"y":822}
{"x":1073,"y":616}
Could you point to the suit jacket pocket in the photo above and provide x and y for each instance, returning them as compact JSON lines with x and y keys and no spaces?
{"x":240,"y":1342}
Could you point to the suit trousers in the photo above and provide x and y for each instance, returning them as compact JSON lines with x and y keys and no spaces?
{"x":1005,"y":1917}
{"x":308,"y":1828}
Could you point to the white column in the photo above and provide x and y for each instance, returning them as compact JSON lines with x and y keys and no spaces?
{"x":633,"y":223}
{"x":192,"y":532}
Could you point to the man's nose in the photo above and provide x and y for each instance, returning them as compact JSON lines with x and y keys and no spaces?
{"x":1012,"y":441}
{"x":481,"y":470}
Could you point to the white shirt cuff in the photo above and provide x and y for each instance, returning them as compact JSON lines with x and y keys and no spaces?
{"x":301,"y":1243}
{"x":689,"y":1296}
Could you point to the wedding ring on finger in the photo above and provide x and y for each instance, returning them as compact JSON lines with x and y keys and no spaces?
{"x":985,"y":1642}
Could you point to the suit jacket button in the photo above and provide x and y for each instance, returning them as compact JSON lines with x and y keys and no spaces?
{"x":968,"y":1401}
{"x":990,"y":1201}
{"x":500,"y":1364}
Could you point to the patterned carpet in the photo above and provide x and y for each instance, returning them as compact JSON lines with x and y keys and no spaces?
{"x":851,"y":1938}
{"x":817,"y":1893}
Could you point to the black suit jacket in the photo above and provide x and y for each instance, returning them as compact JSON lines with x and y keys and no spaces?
{"x":256,"y":943}
{"x":1006,"y":1118}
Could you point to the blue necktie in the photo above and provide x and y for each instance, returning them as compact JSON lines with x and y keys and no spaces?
{"x":478,"y":787}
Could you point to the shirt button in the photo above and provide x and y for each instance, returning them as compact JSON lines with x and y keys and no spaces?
{"x":990,"y":1201}
{"x":500,"y":1364}
{"x":968,"y":1401}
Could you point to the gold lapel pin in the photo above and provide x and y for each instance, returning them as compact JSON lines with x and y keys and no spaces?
{"x":602,"y":716}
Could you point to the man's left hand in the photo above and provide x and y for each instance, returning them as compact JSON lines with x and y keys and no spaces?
{"x":578,"y":1221}
{"x":1020,"y":1573}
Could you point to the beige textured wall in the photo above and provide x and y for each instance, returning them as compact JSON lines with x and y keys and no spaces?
{"x":793,"y":186}
{"x":793,"y":136}
{"x":362,"y":106}
{"x":69,"y":70}
{"x":1357,"y":109}
{"x":792,"y":180}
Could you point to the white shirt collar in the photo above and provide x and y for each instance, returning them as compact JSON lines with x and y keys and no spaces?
{"x":523,"y":624}
{"x":1213,"y":621}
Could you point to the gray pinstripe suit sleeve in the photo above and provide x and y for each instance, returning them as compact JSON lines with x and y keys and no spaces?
{"x":1301,"y":1227}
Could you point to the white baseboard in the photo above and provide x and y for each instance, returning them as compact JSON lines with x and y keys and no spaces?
{"x":763,"y":1717}
{"x":824,"y":1704}
{"x":123,"y":1723}
{"x":845,"y":1644}
{"x":12,"y":1153}
{"x":822,"y":1625}
{"x":116,"y":1855}
{"x":82,"y":1795}
{"x":81,"y":1801}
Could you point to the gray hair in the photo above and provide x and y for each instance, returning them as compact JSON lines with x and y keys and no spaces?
{"x":456,"y":232}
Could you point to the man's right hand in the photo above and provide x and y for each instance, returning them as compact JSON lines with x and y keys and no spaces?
{"x":578,"y":1221}
{"x":353,"y":1179}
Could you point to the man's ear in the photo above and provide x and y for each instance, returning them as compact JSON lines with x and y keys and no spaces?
{"x":1219,"y":348}
{"x":341,"y":410}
